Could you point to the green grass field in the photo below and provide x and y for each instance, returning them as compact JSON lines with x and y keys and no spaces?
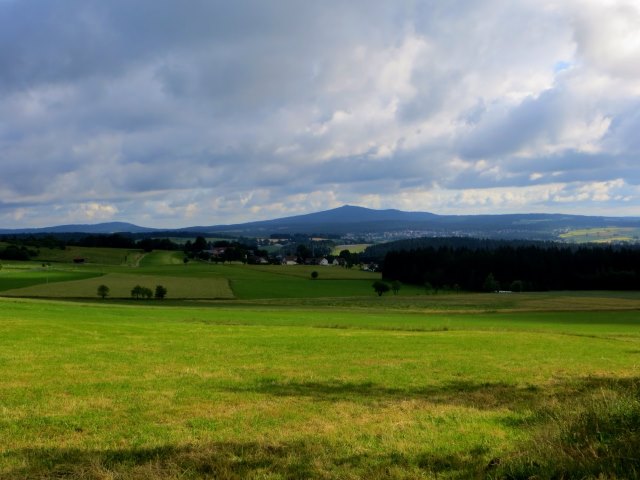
{"x":278,"y":376}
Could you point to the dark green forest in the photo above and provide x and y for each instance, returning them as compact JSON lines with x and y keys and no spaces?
{"x":517,"y":267}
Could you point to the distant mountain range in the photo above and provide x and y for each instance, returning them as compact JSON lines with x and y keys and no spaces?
{"x":98,"y":228}
{"x":360,"y":221}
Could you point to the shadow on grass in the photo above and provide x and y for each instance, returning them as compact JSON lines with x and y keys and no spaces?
{"x":587,"y":428}
{"x":296,"y":460}
{"x":466,"y":393}
{"x":594,"y":435}
{"x":488,"y":395}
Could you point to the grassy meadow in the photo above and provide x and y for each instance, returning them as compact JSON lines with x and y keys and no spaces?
{"x":278,"y":376}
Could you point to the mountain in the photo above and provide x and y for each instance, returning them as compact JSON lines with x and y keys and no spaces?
{"x":391,"y":224}
{"x":98,"y":228}
{"x":337,"y":220}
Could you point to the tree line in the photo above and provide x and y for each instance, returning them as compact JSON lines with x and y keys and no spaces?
{"x":517,"y":267}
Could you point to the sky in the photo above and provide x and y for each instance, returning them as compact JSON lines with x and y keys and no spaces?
{"x":168,"y":113}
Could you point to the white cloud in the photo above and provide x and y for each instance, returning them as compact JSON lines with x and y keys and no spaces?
{"x":95,"y":212}
{"x":175,"y":114}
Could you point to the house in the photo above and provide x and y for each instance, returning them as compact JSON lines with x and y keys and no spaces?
{"x":218,"y":251}
{"x":290,"y":260}
{"x":256,"y":260}
{"x":324,"y":262}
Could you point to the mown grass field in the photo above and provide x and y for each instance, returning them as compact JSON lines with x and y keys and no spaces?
{"x":303,"y":384}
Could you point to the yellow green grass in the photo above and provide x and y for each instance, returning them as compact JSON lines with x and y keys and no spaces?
{"x":353,"y":248}
{"x":602,"y":235}
{"x":122,"y":391}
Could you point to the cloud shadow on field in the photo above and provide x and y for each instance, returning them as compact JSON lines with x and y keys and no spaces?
{"x":464,"y":393}
{"x":306,"y":459}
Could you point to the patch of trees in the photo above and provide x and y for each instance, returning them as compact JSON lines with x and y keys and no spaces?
{"x":517,"y":268}
{"x":139,"y":292}
{"x":305,"y":249}
{"x":25,"y":247}
{"x":35,"y":241}
{"x":150,"y":244}
{"x":120,"y":240}
{"x":350,"y":259}
{"x":377,"y":252}
{"x":17,"y":252}
{"x":219,"y":251}
{"x":114,"y":240}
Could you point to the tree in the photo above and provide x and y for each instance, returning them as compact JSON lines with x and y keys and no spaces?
{"x":395,"y":286}
{"x":139,"y":291}
{"x":349,"y":258}
{"x":161,"y":292}
{"x":136,"y":292}
{"x":303,"y":251}
{"x":314,"y":275}
{"x":490,"y":284}
{"x":200,"y":244}
{"x":381,"y":287}
{"x":103,"y":291}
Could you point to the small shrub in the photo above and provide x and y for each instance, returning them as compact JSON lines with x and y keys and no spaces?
{"x":314,"y":275}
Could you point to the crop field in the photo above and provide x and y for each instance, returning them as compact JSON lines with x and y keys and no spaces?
{"x":95,"y":256}
{"x":287,"y":377}
{"x":183,"y":281}
{"x":12,"y":278}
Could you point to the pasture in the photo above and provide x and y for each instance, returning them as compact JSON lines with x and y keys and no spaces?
{"x":289,"y":377}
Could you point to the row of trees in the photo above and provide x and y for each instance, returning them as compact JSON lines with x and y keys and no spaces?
{"x":137,"y":292}
{"x":17,"y":252}
{"x":518,"y":268}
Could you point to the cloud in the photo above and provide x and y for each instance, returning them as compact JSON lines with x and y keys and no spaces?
{"x":212,"y":112}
